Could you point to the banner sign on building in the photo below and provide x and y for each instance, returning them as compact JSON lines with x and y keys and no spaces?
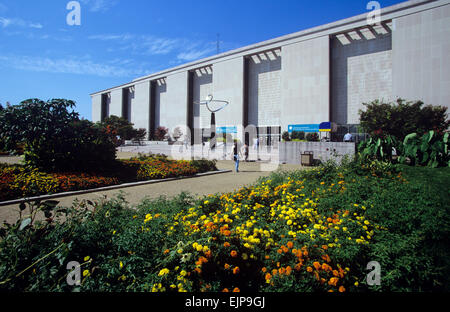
{"x":325,"y":127}
{"x":226,"y":129}
{"x":304,"y":128}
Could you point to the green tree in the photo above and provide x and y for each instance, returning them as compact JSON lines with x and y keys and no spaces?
{"x":54,"y":136}
{"x":120,"y":129}
{"x":402,"y":118}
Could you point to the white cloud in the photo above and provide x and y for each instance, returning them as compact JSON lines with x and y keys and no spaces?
{"x":18,"y":22}
{"x":185,"y":49}
{"x":141,"y":44}
{"x":196,"y":54}
{"x":73,"y":65}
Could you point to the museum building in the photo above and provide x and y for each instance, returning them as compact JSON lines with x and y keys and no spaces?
{"x":300,"y":80}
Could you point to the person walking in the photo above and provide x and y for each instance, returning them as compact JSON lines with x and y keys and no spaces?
{"x":236,"y":153}
{"x":246,"y":151}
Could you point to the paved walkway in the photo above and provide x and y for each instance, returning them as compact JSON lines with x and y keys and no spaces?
{"x":199,"y":186}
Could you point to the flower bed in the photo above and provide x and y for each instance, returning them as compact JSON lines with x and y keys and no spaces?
{"x":305,"y":231}
{"x":16,"y":181}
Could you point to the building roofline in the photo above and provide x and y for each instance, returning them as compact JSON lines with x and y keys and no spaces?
{"x":333,"y":28}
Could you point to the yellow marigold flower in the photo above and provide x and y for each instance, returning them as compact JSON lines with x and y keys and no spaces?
{"x":87,"y":258}
{"x":86,"y":273}
{"x":121,"y":264}
{"x":163,"y":272}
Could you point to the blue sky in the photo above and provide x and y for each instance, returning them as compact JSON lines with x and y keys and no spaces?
{"x":119,"y":40}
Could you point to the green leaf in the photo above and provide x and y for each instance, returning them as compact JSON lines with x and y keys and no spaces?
{"x":431,"y":134}
{"x":25,"y":223}
{"x":409,"y":137}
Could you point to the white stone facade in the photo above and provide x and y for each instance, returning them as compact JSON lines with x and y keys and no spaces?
{"x":316,"y":75}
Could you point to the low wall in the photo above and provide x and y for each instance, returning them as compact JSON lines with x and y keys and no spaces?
{"x":289,"y":152}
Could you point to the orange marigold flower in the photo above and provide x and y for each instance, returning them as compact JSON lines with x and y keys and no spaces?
{"x":166,"y":251}
{"x":290,"y":244}
{"x":267,"y":257}
{"x":236,"y":289}
{"x":225,"y":290}
{"x":274,"y":272}
{"x":335,"y":273}
{"x":268,"y":276}
{"x":309,"y":269}
{"x":324,"y":247}
{"x":326,"y":258}
{"x":281,"y":270}
{"x":288,"y":270}
{"x":280,"y":251}
{"x":236,"y":270}
{"x":333,"y":281}
{"x":226,"y":244}
{"x":233,"y":253}
{"x":316,"y":274}
{"x":226,"y":266}
{"x":341,"y":289}
{"x":198,"y":270}
{"x":317,"y":265}
{"x":264,"y":270}
{"x":226,"y":233}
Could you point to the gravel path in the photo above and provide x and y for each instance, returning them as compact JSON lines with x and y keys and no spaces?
{"x":199,"y":186}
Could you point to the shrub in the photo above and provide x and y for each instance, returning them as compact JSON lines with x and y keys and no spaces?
{"x":285,"y":136}
{"x":204,"y":165}
{"x":402,"y":118}
{"x":379,"y":148}
{"x":298,"y":135}
{"x":312,"y":137}
{"x":431,"y":149}
{"x":160,"y":133}
{"x":54,"y":136}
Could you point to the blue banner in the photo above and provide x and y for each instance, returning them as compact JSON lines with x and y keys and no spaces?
{"x":304,"y":128}
{"x":325,"y":127}
{"x":226,"y":129}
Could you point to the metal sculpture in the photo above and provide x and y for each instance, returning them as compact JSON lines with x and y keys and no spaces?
{"x":208,"y":102}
